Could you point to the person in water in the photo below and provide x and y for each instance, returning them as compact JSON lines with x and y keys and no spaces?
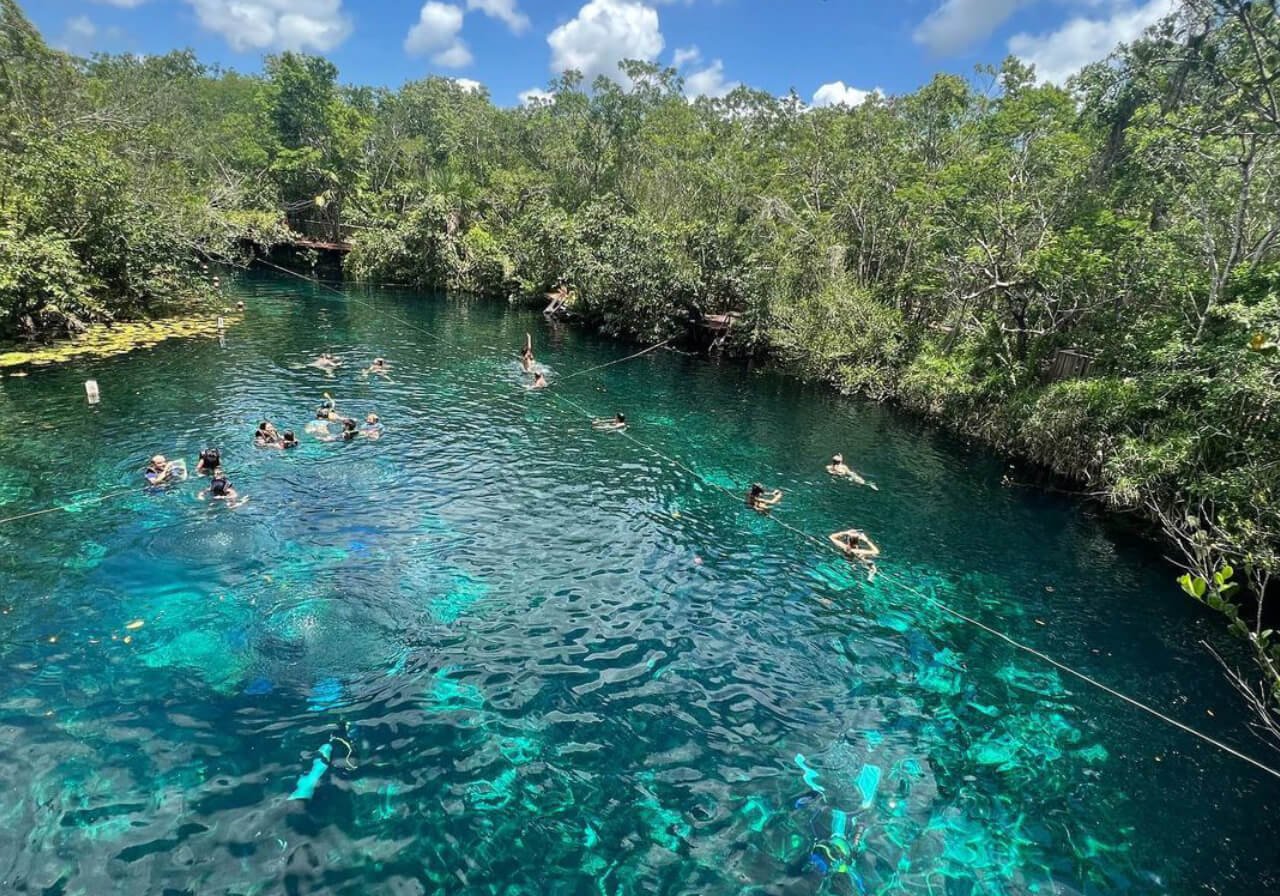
{"x":379,"y":367}
{"x":855,"y":545}
{"x":210,"y":461}
{"x":350,"y":429}
{"x":326,"y":362}
{"x":539,"y":382}
{"x":220,"y":489}
{"x":758,"y":501}
{"x":161,"y":471}
{"x":526,"y":355}
{"x":267,"y":435}
{"x":372,"y":428}
{"x":840,"y":469}
{"x":616,"y":423}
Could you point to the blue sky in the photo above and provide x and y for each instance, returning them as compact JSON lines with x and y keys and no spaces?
{"x":829,"y":51}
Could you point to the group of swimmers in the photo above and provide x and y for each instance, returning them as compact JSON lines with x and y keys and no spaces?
{"x":853,"y":543}
{"x":162,"y":472}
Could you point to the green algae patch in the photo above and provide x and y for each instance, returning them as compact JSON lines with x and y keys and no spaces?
{"x":108,"y":340}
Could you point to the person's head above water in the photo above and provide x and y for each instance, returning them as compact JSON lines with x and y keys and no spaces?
{"x":158,"y":461}
{"x":620,"y":417}
{"x":219,"y":486}
{"x":372,"y":418}
{"x":756,"y":490}
{"x":289,"y":437}
{"x":349,"y":424}
{"x":837,"y":458}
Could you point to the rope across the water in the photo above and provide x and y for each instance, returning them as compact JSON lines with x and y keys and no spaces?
{"x":801,"y":533}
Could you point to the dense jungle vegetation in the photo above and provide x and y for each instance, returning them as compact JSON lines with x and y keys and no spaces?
{"x":937,"y":249}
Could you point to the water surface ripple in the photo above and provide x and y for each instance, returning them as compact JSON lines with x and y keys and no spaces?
{"x":565,"y":664}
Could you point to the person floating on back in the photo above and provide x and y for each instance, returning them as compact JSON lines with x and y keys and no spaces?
{"x":616,"y":423}
{"x":210,"y":461}
{"x":758,"y":501}
{"x":840,"y":469}
{"x":220,"y":489}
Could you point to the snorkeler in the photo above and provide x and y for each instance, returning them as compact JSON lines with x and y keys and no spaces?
{"x":616,"y":423}
{"x":758,"y":501}
{"x":539,"y":382}
{"x":839,"y":468}
{"x":267,"y":435}
{"x":220,"y":489}
{"x":209,"y":462}
{"x":526,"y":355}
{"x":855,"y":544}
{"x":159,"y":470}
{"x":328,"y":409}
{"x":372,"y":428}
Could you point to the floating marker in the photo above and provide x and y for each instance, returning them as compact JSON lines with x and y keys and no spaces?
{"x":91,"y":391}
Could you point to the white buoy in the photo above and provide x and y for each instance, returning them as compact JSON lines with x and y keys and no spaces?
{"x":91,"y":391}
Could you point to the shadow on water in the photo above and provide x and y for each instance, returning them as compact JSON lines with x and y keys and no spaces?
{"x":562,"y":663}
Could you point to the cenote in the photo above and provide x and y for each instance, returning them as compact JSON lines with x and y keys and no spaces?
{"x":565,"y":663}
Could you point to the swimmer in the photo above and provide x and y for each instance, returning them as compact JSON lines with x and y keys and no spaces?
{"x":288,"y":440}
{"x":855,"y":544}
{"x":326,"y":362}
{"x":526,"y":355}
{"x":379,"y":367}
{"x":328,"y":409}
{"x":220,"y":489}
{"x":209,"y":462}
{"x":350,"y":429}
{"x":616,"y":423}
{"x":372,"y":427}
{"x":267,"y":435}
{"x":160,"y":471}
{"x":539,"y":382}
{"x":758,"y":501}
{"x":839,"y":468}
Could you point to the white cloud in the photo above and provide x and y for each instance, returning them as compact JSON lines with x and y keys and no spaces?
{"x":275,"y":24}
{"x":603,"y":33}
{"x":685,"y":55}
{"x":535,"y":95}
{"x":505,"y":10}
{"x":837,"y":93}
{"x":468,"y":84}
{"x":1060,"y":54}
{"x":123,"y":4}
{"x":437,"y":32}
{"x":82,"y":35}
{"x":709,"y":82}
{"x":957,"y":25}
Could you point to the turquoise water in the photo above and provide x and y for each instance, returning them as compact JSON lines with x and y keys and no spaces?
{"x":566,"y":664}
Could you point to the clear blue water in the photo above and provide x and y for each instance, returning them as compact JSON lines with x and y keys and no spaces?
{"x":567,"y":664}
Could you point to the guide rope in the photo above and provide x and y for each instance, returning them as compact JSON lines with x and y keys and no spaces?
{"x":798,"y":532}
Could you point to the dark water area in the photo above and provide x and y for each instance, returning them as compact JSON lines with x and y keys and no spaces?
{"x":562,"y":662}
